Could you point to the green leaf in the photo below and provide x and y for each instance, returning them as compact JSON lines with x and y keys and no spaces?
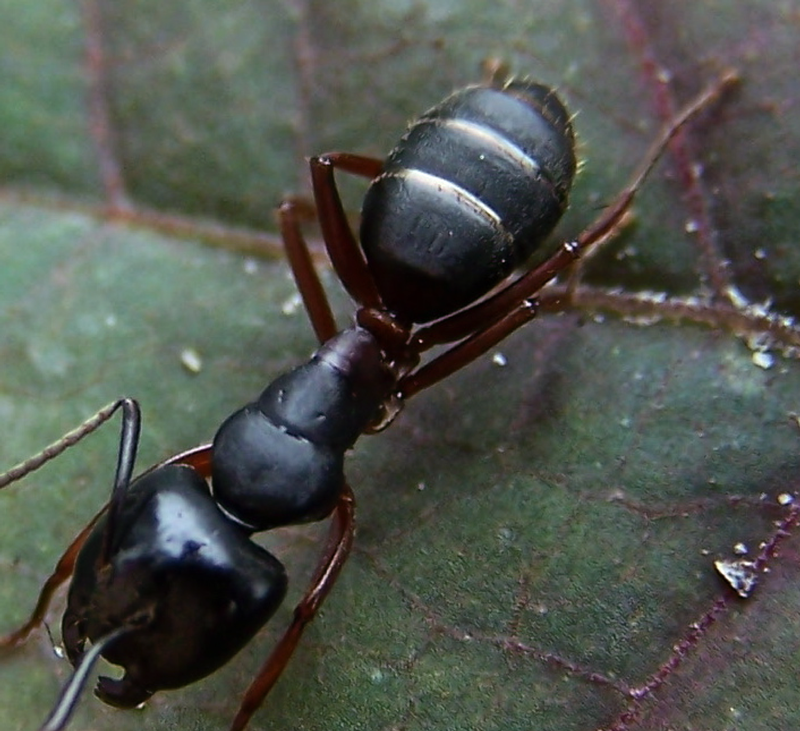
{"x":536,"y":541}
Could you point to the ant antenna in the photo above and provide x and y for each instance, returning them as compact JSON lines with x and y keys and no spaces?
{"x":71,"y":692}
{"x":70,"y":439}
{"x":126,"y":458}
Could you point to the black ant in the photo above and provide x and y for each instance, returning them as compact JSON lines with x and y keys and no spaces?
{"x":166,"y":582}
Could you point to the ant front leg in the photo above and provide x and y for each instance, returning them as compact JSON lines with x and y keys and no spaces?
{"x":340,"y":541}
{"x":64,"y":569}
{"x":483,"y":325}
{"x":615,"y":215}
{"x":66,"y":563}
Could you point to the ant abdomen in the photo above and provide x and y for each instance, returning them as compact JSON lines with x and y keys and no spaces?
{"x":471,"y":191}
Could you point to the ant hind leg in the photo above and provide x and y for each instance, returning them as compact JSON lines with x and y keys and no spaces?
{"x":494,"y":318}
{"x":315,"y":301}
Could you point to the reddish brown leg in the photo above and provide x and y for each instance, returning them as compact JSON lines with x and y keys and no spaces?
{"x":66,"y":563}
{"x":466,"y":322}
{"x":343,"y":248}
{"x":305,"y":275}
{"x":466,"y":351}
{"x":61,"y":573}
{"x":486,"y":323}
{"x":340,"y":541}
{"x":198,"y":457}
{"x":575,"y":272}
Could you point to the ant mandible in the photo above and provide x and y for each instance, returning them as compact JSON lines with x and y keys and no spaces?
{"x":166,"y":582}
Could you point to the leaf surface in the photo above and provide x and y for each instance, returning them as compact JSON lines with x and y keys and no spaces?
{"x":536,"y":539}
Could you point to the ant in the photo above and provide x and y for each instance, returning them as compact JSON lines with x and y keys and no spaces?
{"x":166,"y":582}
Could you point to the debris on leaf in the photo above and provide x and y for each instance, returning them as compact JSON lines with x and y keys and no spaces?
{"x":740,"y":574}
{"x":191,"y":360}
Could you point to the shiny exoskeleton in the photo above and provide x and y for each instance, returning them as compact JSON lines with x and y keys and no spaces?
{"x":180,"y":564}
{"x":166,"y":582}
{"x":474,"y":187}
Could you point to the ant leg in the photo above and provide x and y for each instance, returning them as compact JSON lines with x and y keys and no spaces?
{"x":340,"y":541}
{"x":467,"y":350}
{"x":129,"y":440}
{"x":347,"y":162}
{"x":342,"y":246}
{"x":199,"y":458}
{"x":479,"y":323}
{"x":305,"y":275}
{"x":61,"y":573}
{"x":574,"y":273}
{"x":613,"y":217}
{"x":470,"y":320}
